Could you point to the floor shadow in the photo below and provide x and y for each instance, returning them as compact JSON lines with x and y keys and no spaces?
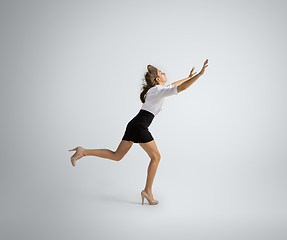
{"x":109,"y":198}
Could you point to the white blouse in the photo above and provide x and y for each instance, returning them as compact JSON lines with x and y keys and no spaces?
{"x":155,"y":97}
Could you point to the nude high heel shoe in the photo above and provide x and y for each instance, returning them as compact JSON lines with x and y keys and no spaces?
{"x":78,"y":154}
{"x":148,"y":198}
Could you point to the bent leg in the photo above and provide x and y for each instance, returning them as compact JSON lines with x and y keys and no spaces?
{"x":152,"y":151}
{"x":117,"y":155}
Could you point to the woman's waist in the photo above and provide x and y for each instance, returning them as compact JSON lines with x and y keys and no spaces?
{"x":143,"y":118}
{"x":146,"y":114}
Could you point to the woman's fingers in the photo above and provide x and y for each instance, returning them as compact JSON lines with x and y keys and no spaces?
{"x":191,"y":72}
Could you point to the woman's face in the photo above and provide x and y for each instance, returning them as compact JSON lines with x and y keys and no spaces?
{"x":161,"y":77}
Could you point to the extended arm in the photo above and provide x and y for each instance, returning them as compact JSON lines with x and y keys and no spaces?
{"x":177,"y":83}
{"x":190,"y":81}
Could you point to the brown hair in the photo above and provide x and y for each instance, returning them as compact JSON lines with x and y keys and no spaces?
{"x":148,"y":81}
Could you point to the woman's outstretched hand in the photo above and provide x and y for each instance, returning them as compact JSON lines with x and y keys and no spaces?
{"x":187,"y":83}
{"x":204,"y":66}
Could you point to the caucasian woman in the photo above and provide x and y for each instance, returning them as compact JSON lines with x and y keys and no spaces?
{"x":152,"y":96}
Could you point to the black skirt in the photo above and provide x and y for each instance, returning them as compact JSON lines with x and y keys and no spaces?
{"x":137,"y":129}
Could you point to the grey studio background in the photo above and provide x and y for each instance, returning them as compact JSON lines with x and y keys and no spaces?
{"x":71,"y":76}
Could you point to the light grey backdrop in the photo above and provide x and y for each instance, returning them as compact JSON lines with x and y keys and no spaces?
{"x":71,"y":75}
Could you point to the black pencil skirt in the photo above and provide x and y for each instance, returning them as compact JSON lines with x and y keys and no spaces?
{"x":137,"y":129}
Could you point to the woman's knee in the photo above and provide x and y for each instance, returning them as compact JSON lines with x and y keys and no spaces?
{"x":156,"y":157}
{"x":122,"y":150}
{"x":117,"y":156}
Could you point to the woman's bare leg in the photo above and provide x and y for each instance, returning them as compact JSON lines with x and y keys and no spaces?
{"x":152,"y":151}
{"x":117,"y":155}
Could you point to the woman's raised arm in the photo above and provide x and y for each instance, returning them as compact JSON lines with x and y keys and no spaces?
{"x":189,"y":82}
{"x":177,"y":83}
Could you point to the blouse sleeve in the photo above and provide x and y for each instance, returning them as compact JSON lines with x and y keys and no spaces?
{"x":166,"y":91}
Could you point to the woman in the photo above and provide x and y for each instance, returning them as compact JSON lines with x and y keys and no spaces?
{"x":152,"y":96}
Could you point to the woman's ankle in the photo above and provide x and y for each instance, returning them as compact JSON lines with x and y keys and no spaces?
{"x":85,"y":152}
{"x":148,"y":191}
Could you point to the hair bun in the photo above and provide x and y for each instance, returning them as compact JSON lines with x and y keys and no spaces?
{"x":151,"y":68}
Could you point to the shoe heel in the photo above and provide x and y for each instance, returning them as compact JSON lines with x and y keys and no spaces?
{"x":142,"y":199}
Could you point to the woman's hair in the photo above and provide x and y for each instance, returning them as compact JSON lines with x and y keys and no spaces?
{"x":148,"y":81}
